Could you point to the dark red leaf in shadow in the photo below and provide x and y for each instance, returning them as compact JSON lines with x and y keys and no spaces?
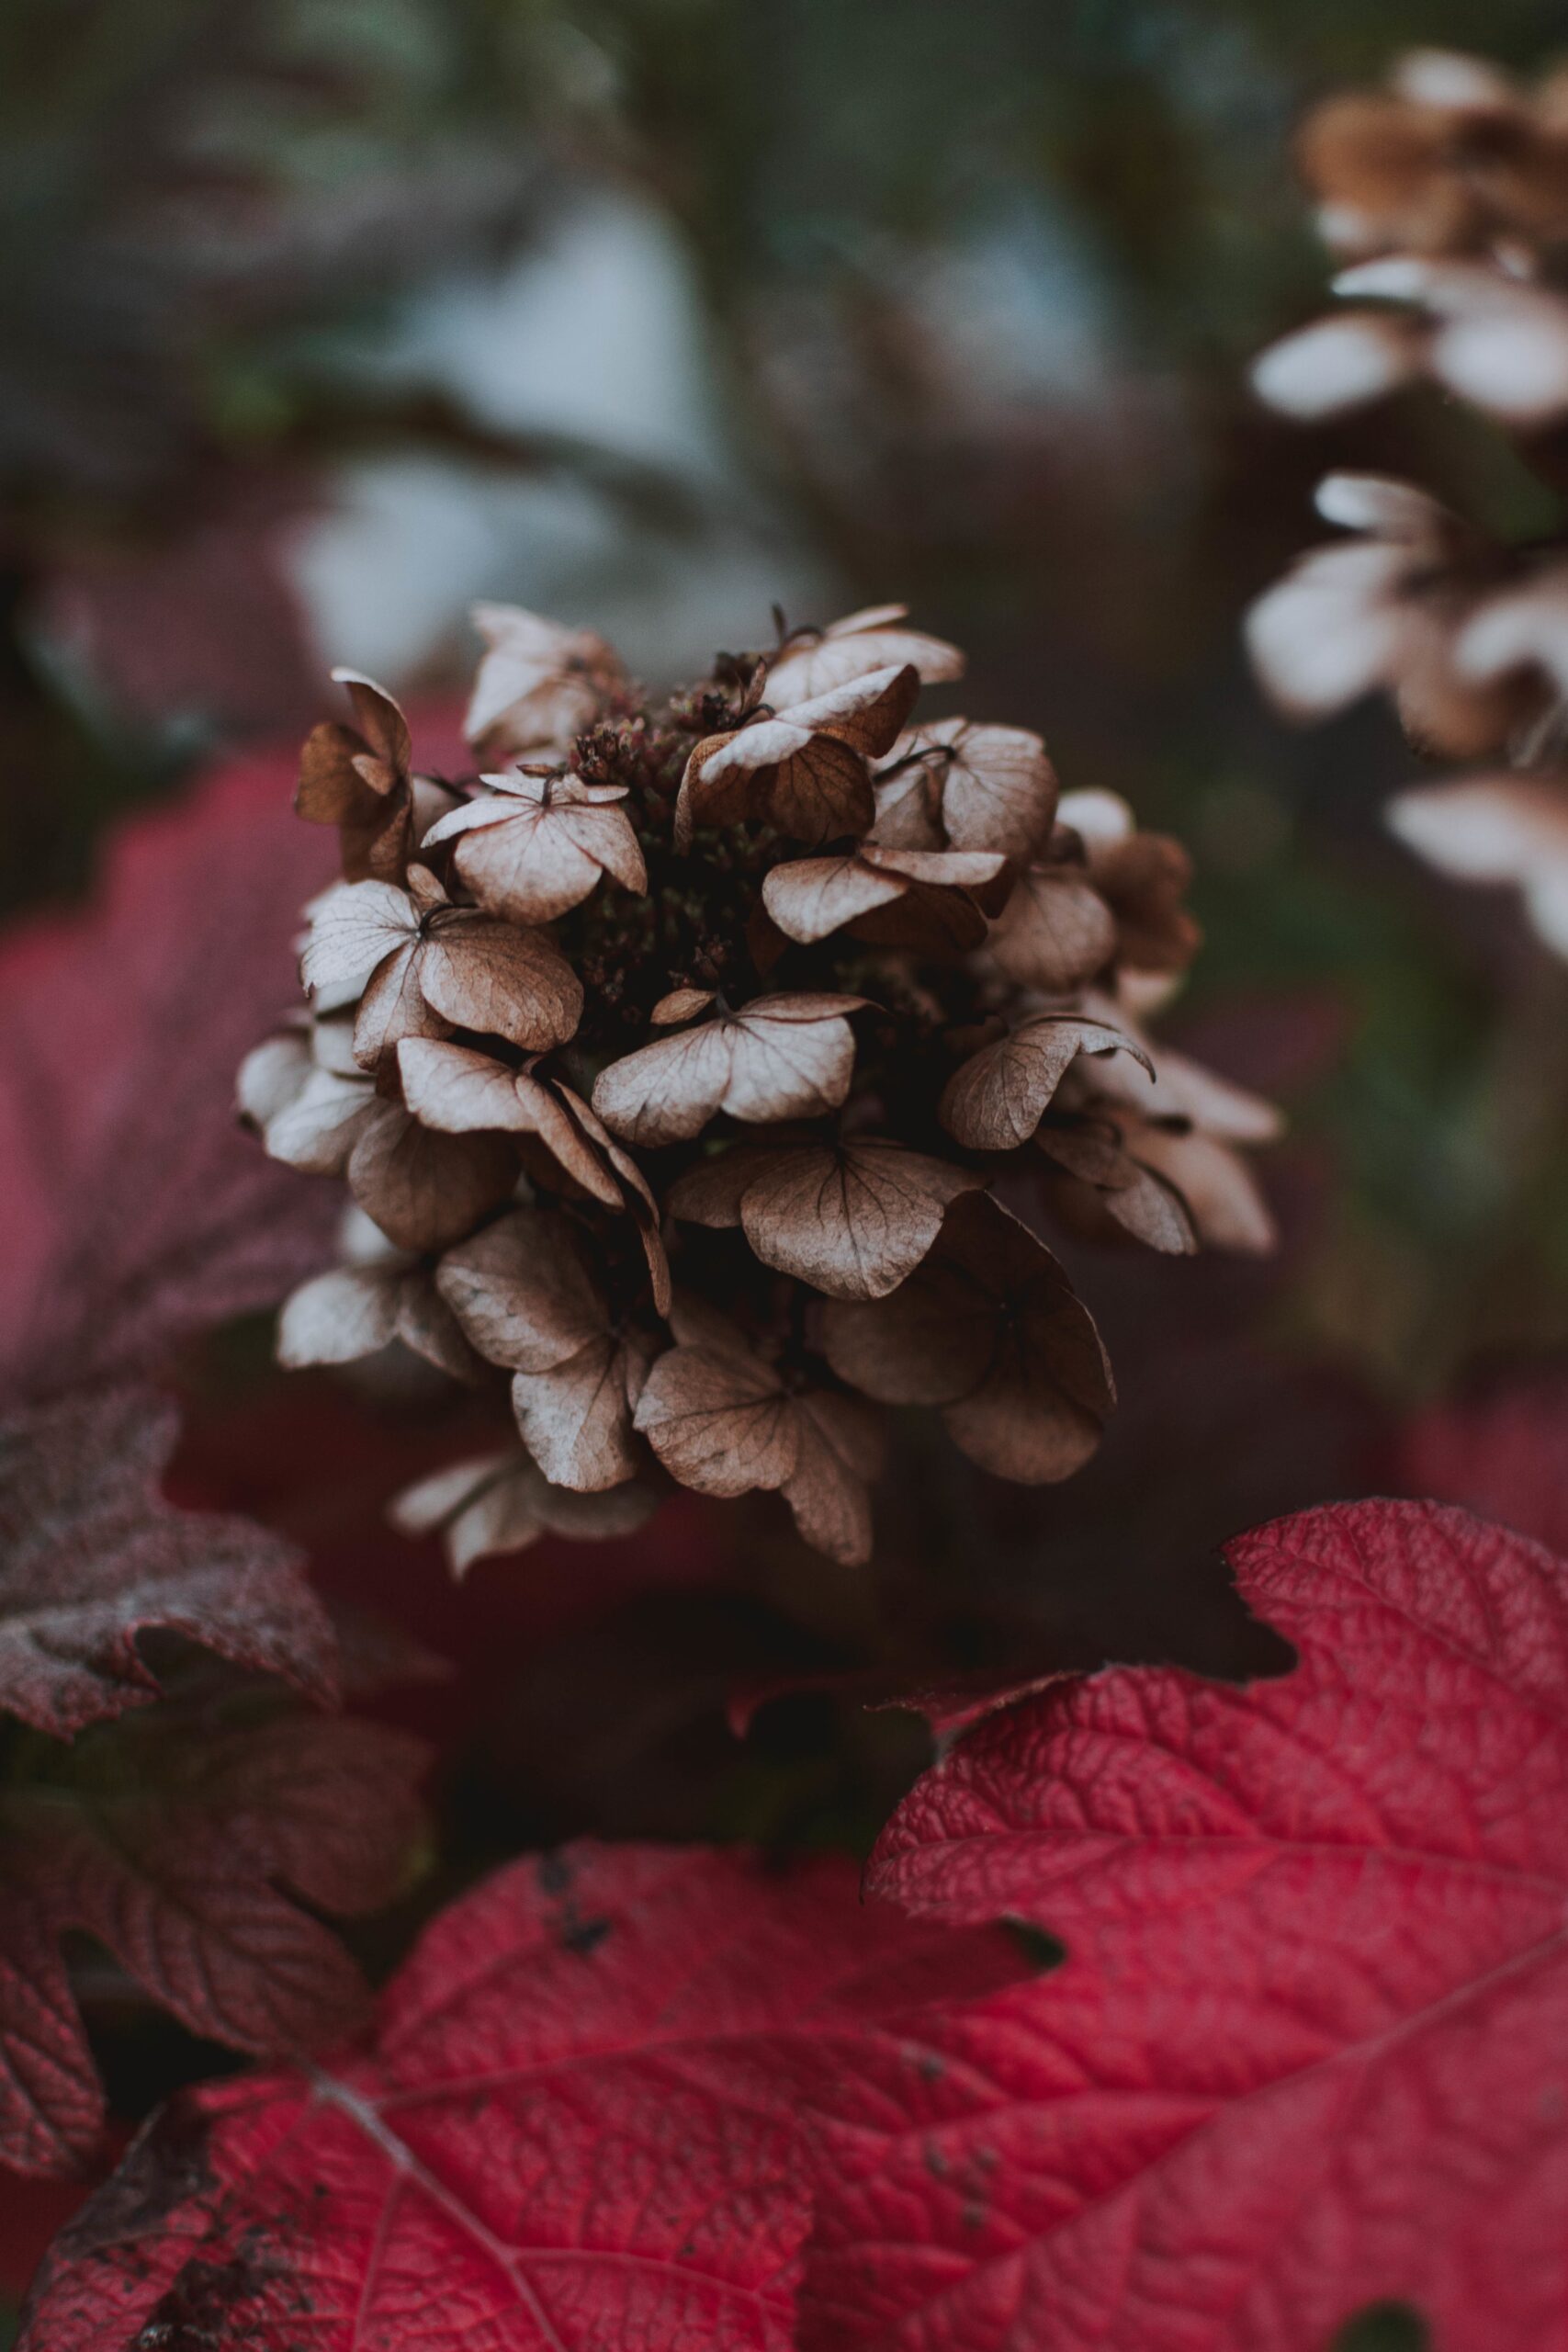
{"x":92,"y":1558}
{"x":137,"y":1211}
{"x":578,"y":2126}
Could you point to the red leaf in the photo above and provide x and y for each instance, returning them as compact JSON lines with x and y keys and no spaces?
{"x":91,"y":1557}
{"x":577,"y":2128}
{"x":136,"y":1211}
{"x":1309,"y":2049}
{"x":182,"y":1849}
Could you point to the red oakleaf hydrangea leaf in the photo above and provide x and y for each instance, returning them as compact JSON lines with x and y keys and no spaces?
{"x":181,"y":1843}
{"x":578,"y":2127}
{"x":136,"y":1212}
{"x":1309,"y":2048}
{"x":91,"y":1557}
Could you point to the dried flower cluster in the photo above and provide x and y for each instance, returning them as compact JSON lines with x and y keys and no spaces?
{"x":673,"y":1064}
{"x":1452,"y":186}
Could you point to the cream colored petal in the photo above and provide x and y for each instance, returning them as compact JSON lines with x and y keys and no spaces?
{"x":352,"y":929}
{"x":271,"y":1077}
{"x":668,"y":1092}
{"x":339,"y":1317}
{"x":318,"y":1130}
{"x":785,"y":1068}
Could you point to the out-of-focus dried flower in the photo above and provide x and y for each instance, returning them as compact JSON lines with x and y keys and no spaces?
{"x":1453,"y":185}
{"x":606,"y":1026}
{"x":1394,"y":607}
{"x":1497,"y":828}
{"x":1453,"y":157}
{"x":1481,"y":334}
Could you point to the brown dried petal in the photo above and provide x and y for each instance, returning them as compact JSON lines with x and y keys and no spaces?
{"x":539,"y":683}
{"x":394,"y":1007}
{"x":815,"y":662}
{"x":424,"y":1190}
{"x":988,"y":1327}
{"x":576,"y":1419}
{"x":317,"y":1127}
{"x":720,"y":1422}
{"x":1144,"y":1203}
{"x":785,"y":1056}
{"x":841,"y":1451}
{"x":339,"y":1317}
{"x":536,"y":849}
{"x":1144,"y":881}
{"x":997,"y":1099}
{"x":915,"y":898}
{"x":380,"y":722}
{"x":523,"y":1294}
{"x":807,"y":773}
{"x":359,"y":781}
{"x":810,"y":787}
{"x":482,"y":974}
{"x":354,"y":1311}
{"x":1186,"y":1089}
{"x":1055,"y":932}
{"x":1219,"y":1190}
{"x":984,"y":788}
{"x":852,"y":1218}
{"x":680,"y":1004}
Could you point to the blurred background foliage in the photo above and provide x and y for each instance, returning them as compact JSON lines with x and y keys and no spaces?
{"x":319,"y":318}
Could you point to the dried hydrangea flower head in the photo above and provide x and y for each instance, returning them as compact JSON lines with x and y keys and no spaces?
{"x":675,"y":1060}
{"x":1452,"y":186}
